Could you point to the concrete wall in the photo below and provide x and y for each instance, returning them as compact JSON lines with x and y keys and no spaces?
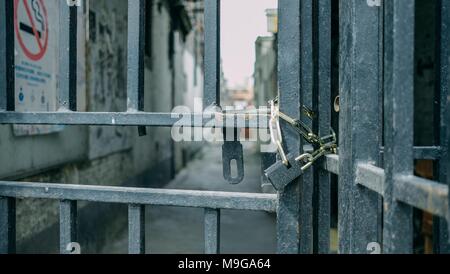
{"x":107,"y":155}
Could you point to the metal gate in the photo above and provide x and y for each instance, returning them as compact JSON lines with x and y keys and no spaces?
{"x":377,"y":186}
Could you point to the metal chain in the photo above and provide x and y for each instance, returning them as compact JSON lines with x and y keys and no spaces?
{"x":325,"y":145}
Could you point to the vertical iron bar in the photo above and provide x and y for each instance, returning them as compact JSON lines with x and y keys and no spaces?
{"x":7,"y":92}
{"x":212,"y":231}
{"x":307,"y":71}
{"x":399,"y":122}
{"x":447,"y":140}
{"x":7,"y":225}
{"x":211,"y":95}
{"x":444,"y":166}
{"x":67,"y":225}
{"x":359,"y":124}
{"x":381,"y":110}
{"x":136,"y":229}
{"x":68,"y":57}
{"x":440,"y":227}
{"x":323,"y":97}
{"x":288,"y":213}
{"x":136,"y":50}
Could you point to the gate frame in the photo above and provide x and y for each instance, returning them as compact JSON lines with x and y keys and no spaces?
{"x":303,"y":207}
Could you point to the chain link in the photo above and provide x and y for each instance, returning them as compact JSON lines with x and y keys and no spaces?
{"x":324,"y":145}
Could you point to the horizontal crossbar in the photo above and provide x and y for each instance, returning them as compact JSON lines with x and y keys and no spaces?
{"x":430,"y":196}
{"x":141,"y":196}
{"x":417,"y":192}
{"x":152,"y":119}
{"x":371,"y":177}
{"x":423,"y":194}
{"x":331,"y":163}
{"x":425,"y":153}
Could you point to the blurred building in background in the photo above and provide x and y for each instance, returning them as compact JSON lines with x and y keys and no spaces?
{"x":265,"y":72}
{"x":266,"y":81}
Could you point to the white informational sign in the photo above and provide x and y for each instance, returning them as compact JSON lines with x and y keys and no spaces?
{"x":36,"y":44}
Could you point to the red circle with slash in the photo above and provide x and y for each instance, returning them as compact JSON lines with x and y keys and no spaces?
{"x":42,"y":45}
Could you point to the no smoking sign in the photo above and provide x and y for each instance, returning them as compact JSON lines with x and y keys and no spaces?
{"x":31,"y":27}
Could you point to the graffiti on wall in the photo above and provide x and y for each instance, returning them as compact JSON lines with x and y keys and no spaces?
{"x":107,"y":77}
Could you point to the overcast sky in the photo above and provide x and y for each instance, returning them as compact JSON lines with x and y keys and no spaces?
{"x":242,"y":22}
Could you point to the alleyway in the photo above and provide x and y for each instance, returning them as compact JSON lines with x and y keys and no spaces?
{"x":180,"y":230}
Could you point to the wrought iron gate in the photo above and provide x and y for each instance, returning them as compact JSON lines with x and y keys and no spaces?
{"x":377,"y":53}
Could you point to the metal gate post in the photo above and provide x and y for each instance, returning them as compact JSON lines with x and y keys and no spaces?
{"x":308,"y":73}
{"x":7,"y":225}
{"x":322,"y":99}
{"x":440,"y":226}
{"x":136,"y":229}
{"x":211,"y":96}
{"x":67,"y":81}
{"x":445,"y":103}
{"x":135,"y":65}
{"x":399,"y":122}
{"x":447,"y":121}
{"x":359,"y":123}
{"x":212,"y":231}
{"x":67,"y":225}
{"x":7,"y":56}
{"x":288,"y":226}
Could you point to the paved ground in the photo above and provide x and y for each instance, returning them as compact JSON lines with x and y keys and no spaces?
{"x":180,"y":230}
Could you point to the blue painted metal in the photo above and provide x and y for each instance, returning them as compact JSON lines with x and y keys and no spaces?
{"x":307,"y":75}
{"x":67,"y":225}
{"x":7,"y":225}
{"x":136,"y":229}
{"x":322,"y":97}
{"x":288,"y":222}
{"x":68,"y":58}
{"x":399,"y":109}
{"x":212,"y":231}
{"x":211,"y":91}
{"x":136,"y":52}
{"x":359,"y":123}
{"x":7,"y":56}
{"x":440,"y":227}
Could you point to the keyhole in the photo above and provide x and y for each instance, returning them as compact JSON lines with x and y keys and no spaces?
{"x":337,"y":104}
{"x":233,"y":169}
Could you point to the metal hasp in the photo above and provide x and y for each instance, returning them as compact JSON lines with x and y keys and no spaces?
{"x":232,"y":150}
